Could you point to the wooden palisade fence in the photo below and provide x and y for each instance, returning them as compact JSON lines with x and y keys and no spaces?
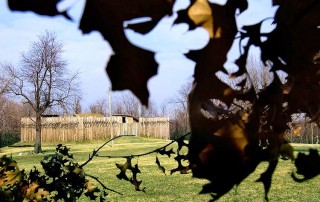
{"x":94,"y":128}
{"x":304,"y":132}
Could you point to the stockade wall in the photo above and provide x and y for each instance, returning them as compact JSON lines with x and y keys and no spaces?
{"x":154,"y":127}
{"x":93,"y":128}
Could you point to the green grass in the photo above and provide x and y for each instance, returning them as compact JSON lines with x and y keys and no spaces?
{"x":160,"y":187}
{"x":305,"y":147}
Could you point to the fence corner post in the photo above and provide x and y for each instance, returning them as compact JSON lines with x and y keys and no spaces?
{"x":80,"y":128}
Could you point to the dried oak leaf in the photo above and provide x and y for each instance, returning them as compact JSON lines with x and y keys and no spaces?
{"x":160,"y":166}
{"x":198,"y":14}
{"x":293,"y":46}
{"x":181,"y":144}
{"x":166,"y":152}
{"x":35,"y":176}
{"x":201,"y":14}
{"x":53,"y":165}
{"x":10,"y":179}
{"x":64,"y":150}
{"x":137,"y":184}
{"x":9,"y":172}
{"x":91,"y":190}
{"x":35,"y":193}
{"x":126,"y":69}
{"x":102,"y":196}
{"x":134,"y":179}
{"x":134,"y":170}
{"x":41,"y":7}
{"x":63,"y":175}
{"x":123,"y":169}
{"x":226,"y":151}
{"x":181,"y":168}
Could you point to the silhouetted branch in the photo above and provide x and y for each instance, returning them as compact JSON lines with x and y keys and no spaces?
{"x":147,"y":153}
{"x":97,"y":179}
{"x":94,"y":153}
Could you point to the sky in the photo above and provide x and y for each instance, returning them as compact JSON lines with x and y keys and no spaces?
{"x":90,"y":53}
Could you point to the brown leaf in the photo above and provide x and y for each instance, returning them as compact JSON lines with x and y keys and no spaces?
{"x":160,"y":166}
{"x":166,"y":152}
{"x":134,"y":179}
{"x":123,"y":169}
{"x":126,"y":69}
{"x":42,"y":7}
{"x":10,"y":176}
{"x":91,"y":190}
{"x":35,"y":193}
{"x":296,"y":41}
{"x":201,"y":14}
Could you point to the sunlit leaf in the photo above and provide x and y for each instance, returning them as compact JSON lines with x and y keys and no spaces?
{"x":91,"y":191}
{"x":226,"y":144}
{"x":36,"y":193}
{"x":201,"y":14}
{"x":10,"y":179}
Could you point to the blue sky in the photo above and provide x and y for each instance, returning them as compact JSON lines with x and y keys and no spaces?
{"x":90,"y":53}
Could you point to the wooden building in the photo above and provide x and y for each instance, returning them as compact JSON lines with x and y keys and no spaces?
{"x":83,"y":127}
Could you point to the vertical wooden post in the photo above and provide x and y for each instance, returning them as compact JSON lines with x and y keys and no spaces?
{"x":80,"y":128}
{"x":110,"y":114}
{"x":311,"y":133}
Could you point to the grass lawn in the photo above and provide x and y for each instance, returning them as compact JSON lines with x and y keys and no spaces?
{"x":160,"y":187}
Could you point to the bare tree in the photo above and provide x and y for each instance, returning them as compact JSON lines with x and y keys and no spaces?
{"x":180,"y":100}
{"x":10,"y":120}
{"x":260,"y":74}
{"x":126,"y":103}
{"x":100,"y":107}
{"x":4,"y":83}
{"x":77,"y":108}
{"x":180,"y":124}
{"x":150,"y":111}
{"x":163,"y":109}
{"x":43,"y":80}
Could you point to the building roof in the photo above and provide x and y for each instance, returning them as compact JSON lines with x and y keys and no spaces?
{"x":88,"y":115}
{"x":127,"y":115}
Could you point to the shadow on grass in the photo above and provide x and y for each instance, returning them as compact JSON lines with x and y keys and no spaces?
{"x":17,"y":146}
{"x":8,"y":138}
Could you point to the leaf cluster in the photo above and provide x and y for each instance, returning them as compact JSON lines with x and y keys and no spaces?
{"x":165,"y":150}
{"x":63,"y":179}
{"x":225,"y":148}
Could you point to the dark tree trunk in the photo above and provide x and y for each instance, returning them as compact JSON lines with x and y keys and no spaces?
{"x":37,"y":145}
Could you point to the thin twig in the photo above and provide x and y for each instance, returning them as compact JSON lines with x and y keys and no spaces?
{"x":95,"y":178}
{"x":94,"y":153}
{"x":147,"y":153}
